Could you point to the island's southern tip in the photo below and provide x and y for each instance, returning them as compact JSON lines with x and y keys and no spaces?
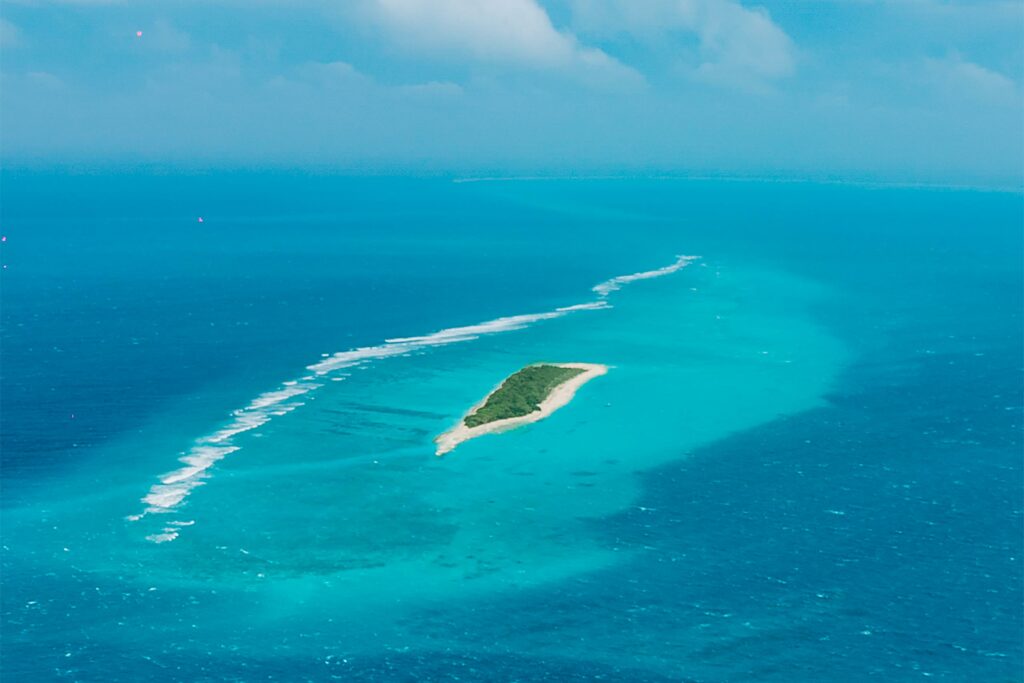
{"x":529,"y":395}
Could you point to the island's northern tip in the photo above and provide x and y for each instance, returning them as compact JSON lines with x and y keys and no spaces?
{"x":529,"y":395}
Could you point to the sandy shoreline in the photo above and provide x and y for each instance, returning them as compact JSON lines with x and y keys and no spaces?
{"x":559,"y":397}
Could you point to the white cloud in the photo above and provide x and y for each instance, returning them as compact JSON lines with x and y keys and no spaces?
{"x":500,"y":30}
{"x":343,"y":77}
{"x":959,"y":77}
{"x":736,"y":45}
{"x":325,"y":81}
{"x":332,"y":74}
{"x":504,"y":32}
{"x":10,"y":35}
{"x":44,"y":79}
{"x":431,"y":89}
{"x":165,"y":37}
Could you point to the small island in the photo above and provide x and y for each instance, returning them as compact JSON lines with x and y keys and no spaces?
{"x":529,"y":395}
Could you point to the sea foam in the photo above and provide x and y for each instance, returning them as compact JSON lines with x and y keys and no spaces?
{"x":609,"y":286}
{"x":173,"y":488}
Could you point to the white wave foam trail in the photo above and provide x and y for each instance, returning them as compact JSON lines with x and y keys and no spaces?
{"x":402,"y":345}
{"x":609,"y":286}
{"x":174,"y":487}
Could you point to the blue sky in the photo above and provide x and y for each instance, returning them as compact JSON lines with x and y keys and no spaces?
{"x":904,"y":90}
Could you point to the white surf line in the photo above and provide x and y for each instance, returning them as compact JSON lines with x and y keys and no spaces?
{"x":609,"y":286}
{"x":173,"y":488}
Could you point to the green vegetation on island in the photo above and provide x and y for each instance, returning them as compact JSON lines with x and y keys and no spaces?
{"x":522,"y":393}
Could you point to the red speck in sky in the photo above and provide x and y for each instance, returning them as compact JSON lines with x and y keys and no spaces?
{"x":138,"y":34}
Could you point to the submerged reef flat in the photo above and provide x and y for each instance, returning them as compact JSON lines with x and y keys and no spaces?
{"x":529,"y":395}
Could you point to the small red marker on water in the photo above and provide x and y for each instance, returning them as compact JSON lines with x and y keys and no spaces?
{"x":200,"y":219}
{"x":138,"y":34}
{"x":3,"y":239}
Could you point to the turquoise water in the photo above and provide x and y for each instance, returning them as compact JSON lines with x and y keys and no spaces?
{"x":775,"y":479}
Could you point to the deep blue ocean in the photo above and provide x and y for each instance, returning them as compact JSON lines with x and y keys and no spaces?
{"x":217,"y":464}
